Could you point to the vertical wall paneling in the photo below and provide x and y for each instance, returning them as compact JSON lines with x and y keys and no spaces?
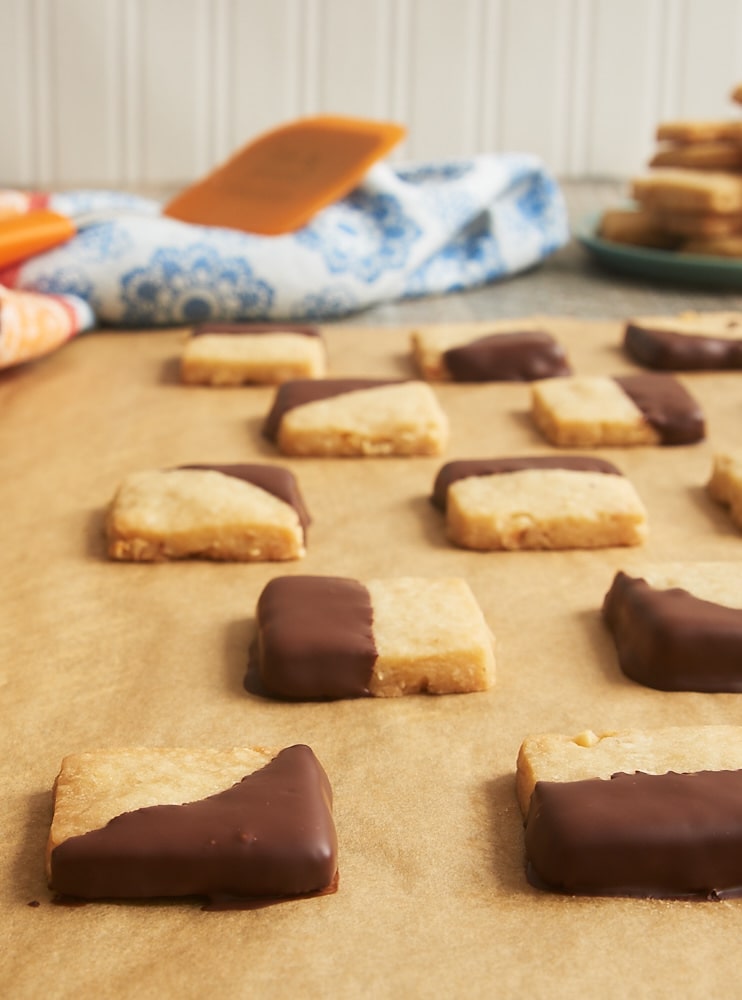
{"x":491,"y":42}
{"x":220,"y":110}
{"x":534,"y":83}
{"x":86,"y":111}
{"x":114,"y":54}
{"x":384,"y":59}
{"x":309,"y":37}
{"x":352,"y":67}
{"x":132,"y":115}
{"x":401,"y":67}
{"x":579,"y":67}
{"x":737,"y":35}
{"x":672,"y":44}
{"x":44,"y":124}
{"x":562,"y":95}
{"x":173,"y":76}
{"x":708,"y":57}
{"x":16,"y":83}
{"x":624,"y":107}
{"x":266,"y":62}
{"x":445,"y":60}
{"x":203,"y":93}
{"x":156,"y":92}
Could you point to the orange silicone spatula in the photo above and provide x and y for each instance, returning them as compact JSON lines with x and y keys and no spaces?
{"x":277,"y":183}
{"x":24,"y":235}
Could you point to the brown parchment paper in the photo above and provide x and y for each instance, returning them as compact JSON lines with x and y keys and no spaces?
{"x":433,"y":900}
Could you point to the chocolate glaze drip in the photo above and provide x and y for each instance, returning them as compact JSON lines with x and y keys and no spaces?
{"x":315,"y":637}
{"x":274,"y":479}
{"x":666,"y":350}
{"x":667,"y":406}
{"x":668,"y":835}
{"x":297,"y":392}
{"x":272,"y":834}
{"x":507,"y":357}
{"x":465,"y":468}
{"x":671,"y":640}
{"x":255,"y":328}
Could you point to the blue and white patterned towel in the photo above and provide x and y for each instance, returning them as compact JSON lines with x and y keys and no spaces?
{"x":404,"y":232}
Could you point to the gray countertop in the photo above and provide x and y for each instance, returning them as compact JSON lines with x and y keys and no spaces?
{"x":570,"y":283}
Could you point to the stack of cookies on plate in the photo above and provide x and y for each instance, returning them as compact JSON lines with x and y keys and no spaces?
{"x":691,"y":199}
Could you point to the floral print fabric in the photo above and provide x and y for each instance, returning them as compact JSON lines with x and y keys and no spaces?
{"x":404,"y":232}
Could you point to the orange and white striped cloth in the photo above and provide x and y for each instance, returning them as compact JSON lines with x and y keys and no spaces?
{"x":32,"y":324}
{"x":14,"y":203}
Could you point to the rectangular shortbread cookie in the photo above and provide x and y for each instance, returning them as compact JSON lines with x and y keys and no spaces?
{"x":725,"y":484}
{"x":356,"y":417}
{"x":636,"y":227}
{"x":716,"y":154}
{"x":225,"y":354}
{"x":694,"y":130}
{"x":696,"y":225}
{"x":691,"y":341}
{"x":539,"y":503}
{"x":508,"y":351}
{"x":689,"y":190}
{"x":556,"y":757}
{"x":714,"y":246}
{"x":642,"y":813}
{"x":335,"y":637}
{"x":678,"y":627}
{"x":151,"y":822}
{"x":593,"y":410}
{"x":242,"y":513}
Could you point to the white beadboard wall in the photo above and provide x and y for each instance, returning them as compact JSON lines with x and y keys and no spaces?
{"x":153,"y":93}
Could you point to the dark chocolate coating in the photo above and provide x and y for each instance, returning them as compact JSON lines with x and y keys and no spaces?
{"x":271,"y":834}
{"x":255,"y":328}
{"x":671,"y":640}
{"x":297,"y":392}
{"x":465,"y":468}
{"x":666,"y":350}
{"x":668,"y":835}
{"x":274,"y":479}
{"x":667,"y":406}
{"x":507,"y":357}
{"x":315,"y":638}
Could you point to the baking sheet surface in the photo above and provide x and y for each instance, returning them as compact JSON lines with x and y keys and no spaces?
{"x":433,"y":899}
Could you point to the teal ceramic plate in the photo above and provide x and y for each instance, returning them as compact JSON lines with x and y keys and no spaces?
{"x":667,"y":265}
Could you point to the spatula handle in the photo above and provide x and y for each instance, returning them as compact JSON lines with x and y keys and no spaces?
{"x":23,"y":236}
